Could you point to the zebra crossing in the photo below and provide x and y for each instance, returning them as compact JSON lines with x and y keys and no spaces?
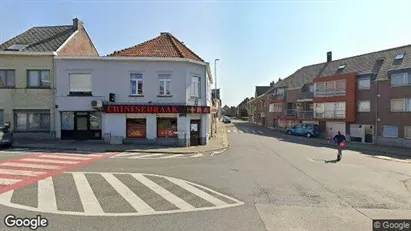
{"x":244,"y":130}
{"x":115,"y":194}
{"x":160,"y":156}
{"x":24,"y":170}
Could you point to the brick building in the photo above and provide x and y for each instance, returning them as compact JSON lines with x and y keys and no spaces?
{"x":367,"y":97}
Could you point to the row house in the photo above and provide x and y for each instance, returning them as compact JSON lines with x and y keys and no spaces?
{"x":367,"y":97}
{"x":258,"y":105}
{"x":242,"y":109}
{"x":27,"y":76}
{"x":156,"y":92}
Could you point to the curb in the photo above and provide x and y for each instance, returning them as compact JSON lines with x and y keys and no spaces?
{"x":391,"y":159}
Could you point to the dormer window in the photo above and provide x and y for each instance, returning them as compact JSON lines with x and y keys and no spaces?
{"x":16,"y":47}
{"x":399,"y":56}
{"x":342,"y":66}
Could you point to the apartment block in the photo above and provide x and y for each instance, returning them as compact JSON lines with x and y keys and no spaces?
{"x":366,"y":97}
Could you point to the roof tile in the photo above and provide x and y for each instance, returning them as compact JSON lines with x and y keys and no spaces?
{"x":165,"y":45}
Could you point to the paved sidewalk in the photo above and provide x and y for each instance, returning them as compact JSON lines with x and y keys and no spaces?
{"x":404,"y":153}
{"x":218,"y":143}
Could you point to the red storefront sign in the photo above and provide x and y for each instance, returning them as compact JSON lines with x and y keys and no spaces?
{"x":169,"y":109}
{"x":161,"y":133}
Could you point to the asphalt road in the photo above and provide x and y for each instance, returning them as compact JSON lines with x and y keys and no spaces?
{"x":264,"y":181}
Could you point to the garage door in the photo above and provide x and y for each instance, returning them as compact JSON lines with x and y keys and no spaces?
{"x":334,"y":127}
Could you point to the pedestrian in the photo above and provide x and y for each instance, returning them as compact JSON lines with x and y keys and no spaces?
{"x":339,"y":139}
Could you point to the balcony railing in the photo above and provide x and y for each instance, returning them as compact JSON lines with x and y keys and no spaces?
{"x":330,"y":114}
{"x":306,"y":95}
{"x":294,"y":113}
{"x":274,"y":96}
{"x":329,"y":93}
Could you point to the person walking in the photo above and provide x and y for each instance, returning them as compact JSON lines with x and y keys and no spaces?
{"x":340,"y":140}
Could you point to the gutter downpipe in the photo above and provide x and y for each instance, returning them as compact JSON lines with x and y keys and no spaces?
{"x":376,"y":112}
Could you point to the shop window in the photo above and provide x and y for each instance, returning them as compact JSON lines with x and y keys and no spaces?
{"x":136,"y":128}
{"x":166,"y":127}
{"x":95,"y":120}
{"x":32,"y":121}
{"x":67,"y":121}
{"x":389,"y":131}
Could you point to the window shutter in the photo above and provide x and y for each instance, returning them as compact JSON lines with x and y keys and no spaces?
{"x":80,"y":82}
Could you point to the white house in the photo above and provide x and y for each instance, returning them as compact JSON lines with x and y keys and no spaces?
{"x":156,"y":92}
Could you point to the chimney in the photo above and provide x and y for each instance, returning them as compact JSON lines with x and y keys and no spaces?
{"x":164,"y":33}
{"x":329,"y":56}
{"x":77,"y":24}
{"x":271,"y":83}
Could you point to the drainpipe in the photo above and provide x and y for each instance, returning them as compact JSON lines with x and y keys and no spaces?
{"x":376,"y":113}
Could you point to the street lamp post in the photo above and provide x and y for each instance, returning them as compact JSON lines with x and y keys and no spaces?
{"x":215,"y":93}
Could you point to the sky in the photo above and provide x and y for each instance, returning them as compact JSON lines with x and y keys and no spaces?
{"x":256,"y":41}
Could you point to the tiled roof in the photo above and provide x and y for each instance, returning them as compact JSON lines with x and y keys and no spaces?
{"x":165,"y":45}
{"x":361,"y":64}
{"x":41,"y":39}
{"x":364,"y":64}
{"x":259,"y":90}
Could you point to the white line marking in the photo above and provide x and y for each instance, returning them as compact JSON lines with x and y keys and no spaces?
{"x":40,"y":166}
{"x":180,"y":203}
{"x":171,"y":156}
{"x":129,"y":154}
{"x":50,"y":161}
{"x":197,"y":155}
{"x":64,"y":157}
{"x":144,"y":156}
{"x":4,"y":181}
{"x":260,"y":132}
{"x":228,"y":130}
{"x":81,"y":155}
{"x":138,"y":204}
{"x":234,"y":130}
{"x":6,"y":196}
{"x":46,"y":195}
{"x":196,"y":191}
{"x":87,"y":197}
{"x":20,"y":172}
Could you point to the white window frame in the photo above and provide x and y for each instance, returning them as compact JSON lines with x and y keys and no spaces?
{"x":361,"y":109}
{"x":391,"y":126}
{"x":87,"y":90}
{"x":163,"y":80}
{"x":406,"y":105}
{"x":6,"y":80}
{"x":195,"y":89}
{"x":39,"y":80}
{"x":404,"y":76}
{"x":271,"y":107}
{"x":368,"y":79}
{"x":407,"y":136}
{"x":135,"y":79}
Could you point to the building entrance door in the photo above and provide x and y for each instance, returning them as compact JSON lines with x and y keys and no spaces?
{"x":195,"y":132}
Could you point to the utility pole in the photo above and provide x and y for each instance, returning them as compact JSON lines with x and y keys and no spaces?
{"x":215,"y":74}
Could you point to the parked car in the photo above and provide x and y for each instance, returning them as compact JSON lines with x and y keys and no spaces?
{"x":226,"y":120}
{"x":304,"y":129}
{"x":6,"y":137}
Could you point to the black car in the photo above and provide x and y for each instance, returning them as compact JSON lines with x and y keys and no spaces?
{"x":6,"y":137}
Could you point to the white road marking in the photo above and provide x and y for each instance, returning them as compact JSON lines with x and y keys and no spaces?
{"x":129,"y":154}
{"x":46,"y":195}
{"x":25,"y":165}
{"x":145,"y":156}
{"x":234,"y":130}
{"x":260,"y":132}
{"x":171,"y":156}
{"x":198,"y":192}
{"x":87,"y":197}
{"x":228,"y":130}
{"x":81,"y":155}
{"x":50,"y":161}
{"x":180,"y":203}
{"x":20,"y":172}
{"x":5,"y":181}
{"x":197,"y":155}
{"x":6,"y":196}
{"x":64,"y":157}
{"x":138,"y":204}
